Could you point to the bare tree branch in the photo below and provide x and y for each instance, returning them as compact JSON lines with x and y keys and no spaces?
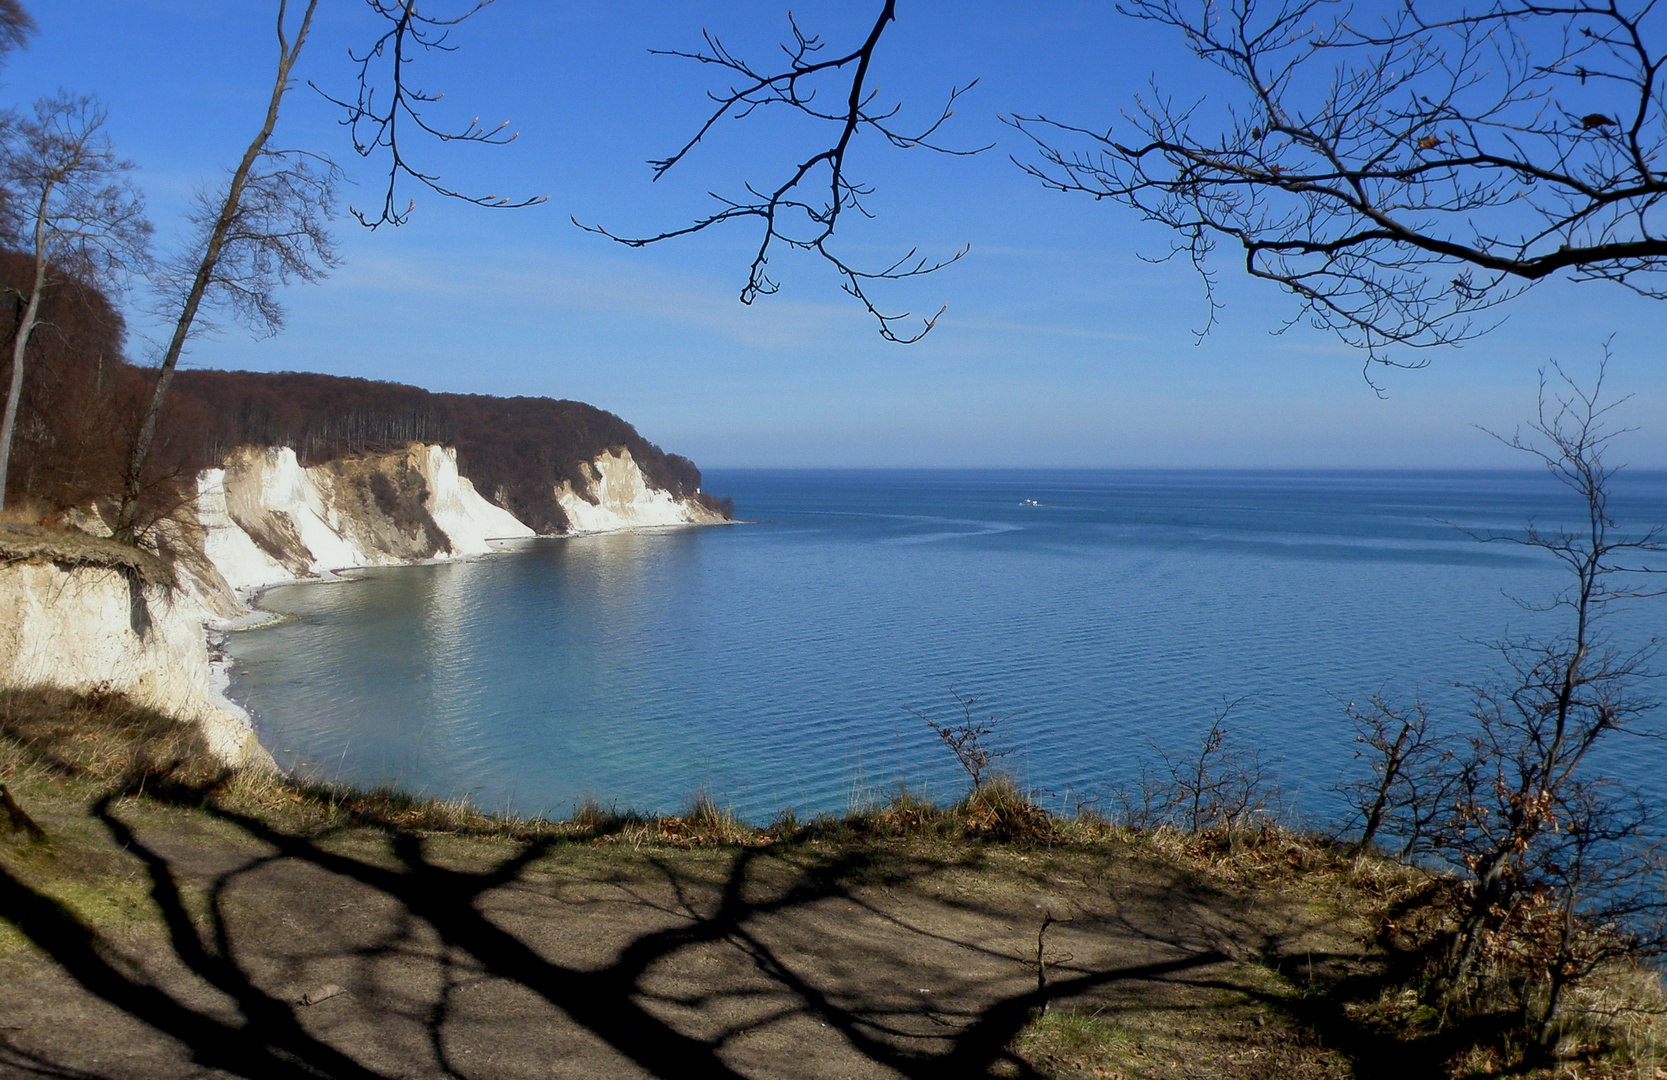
{"x":277,"y":232}
{"x":973,"y":741}
{"x":1220,"y":787}
{"x":379,"y":114}
{"x":789,"y":214}
{"x":1402,"y":176}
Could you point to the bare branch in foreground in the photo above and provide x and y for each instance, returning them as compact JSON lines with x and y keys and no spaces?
{"x":378,"y":117}
{"x":1400,"y":176}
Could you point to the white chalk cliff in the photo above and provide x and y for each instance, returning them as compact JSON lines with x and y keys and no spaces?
{"x":621,"y":498}
{"x":78,"y":627}
{"x":262,"y":518}
{"x":266,"y":519}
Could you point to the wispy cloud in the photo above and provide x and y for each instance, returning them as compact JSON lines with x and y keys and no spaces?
{"x":611,"y":287}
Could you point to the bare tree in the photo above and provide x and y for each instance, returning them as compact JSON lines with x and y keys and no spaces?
{"x":246,"y":242}
{"x":1558,"y":870}
{"x":790,"y":212}
{"x":1526,"y":786}
{"x":1412,"y":764}
{"x":1603,"y":870}
{"x":1220,"y":786}
{"x":269,"y":224}
{"x":1399,"y":174}
{"x":83,"y":217}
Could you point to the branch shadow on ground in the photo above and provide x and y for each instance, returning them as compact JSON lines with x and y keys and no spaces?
{"x":231,"y":1020}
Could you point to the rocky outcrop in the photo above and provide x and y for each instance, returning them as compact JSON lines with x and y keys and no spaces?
{"x":265,"y":518}
{"x":82,"y":619}
{"x":620,"y":497}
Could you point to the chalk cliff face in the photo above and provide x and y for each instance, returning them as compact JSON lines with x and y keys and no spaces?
{"x":81,"y":627}
{"x":265,"y":518}
{"x":621,"y":498}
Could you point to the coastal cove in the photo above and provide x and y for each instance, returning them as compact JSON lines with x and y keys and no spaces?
{"x":775,"y":664}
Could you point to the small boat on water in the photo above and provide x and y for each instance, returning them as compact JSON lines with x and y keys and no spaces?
{"x":1029,"y":502}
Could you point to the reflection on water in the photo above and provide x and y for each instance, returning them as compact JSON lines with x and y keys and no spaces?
{"x":773,"y":663}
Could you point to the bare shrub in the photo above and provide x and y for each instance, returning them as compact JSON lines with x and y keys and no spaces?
{"x":1557,"y":873}
{"x":972,"y":740}
{"x":1412,"y":773}
{"x":1221,"y":786}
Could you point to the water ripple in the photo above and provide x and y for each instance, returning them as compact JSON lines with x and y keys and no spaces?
{"x":776,"y":663}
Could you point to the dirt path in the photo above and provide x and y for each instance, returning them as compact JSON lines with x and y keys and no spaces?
{"x":491,"y":959}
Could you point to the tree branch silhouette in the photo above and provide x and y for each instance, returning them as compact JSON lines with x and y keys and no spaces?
{"x":788,"y":211}
{"x":1399,"y":177}
{"x":386,"y":104}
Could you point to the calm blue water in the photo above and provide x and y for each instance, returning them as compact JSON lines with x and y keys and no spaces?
{"x":774,"y":663}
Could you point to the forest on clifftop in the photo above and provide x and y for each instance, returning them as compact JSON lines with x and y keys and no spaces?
{"x":82,"y":400}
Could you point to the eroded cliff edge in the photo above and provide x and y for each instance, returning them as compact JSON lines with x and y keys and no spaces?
{"x":93,"y":616}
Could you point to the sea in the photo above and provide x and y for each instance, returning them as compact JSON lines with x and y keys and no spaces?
{"x":1095,"y":620}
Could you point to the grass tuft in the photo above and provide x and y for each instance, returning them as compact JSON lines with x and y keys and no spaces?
{"x":26,"y":512}
{"x":998,"y":810}
{"x":1069,"y":1041}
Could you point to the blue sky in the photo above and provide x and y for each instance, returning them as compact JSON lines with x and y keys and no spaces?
{"x":1060,"y":347}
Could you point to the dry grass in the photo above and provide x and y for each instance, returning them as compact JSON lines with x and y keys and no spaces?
{"x":1068,"y":1044}
{"x":1272,"y":851}
{"x":102,"y":736}
{"x":1614,"y":1028}
{"x":1621,"y":1018}
{"x":106,"y":740}
{"x":26,"y":512}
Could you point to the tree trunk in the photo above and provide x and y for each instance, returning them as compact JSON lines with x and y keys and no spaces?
{"x":1393,"y":761}
{"x":127,"y":514}
{"x":1479,"y":919}
{"x":20,"y":348}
